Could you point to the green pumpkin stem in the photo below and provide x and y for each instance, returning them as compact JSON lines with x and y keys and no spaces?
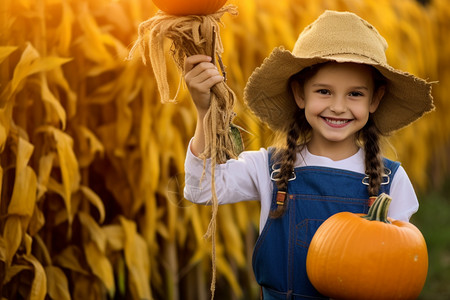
{"x":379,"y":209}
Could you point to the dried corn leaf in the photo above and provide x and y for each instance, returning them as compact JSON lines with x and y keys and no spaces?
{"x":30,"y":63}
{"x":45,"y":168}
{"x":5,"y":124}
{"x":27,"y":242}
{"x":100,"y":266}
{"x":39,"y":285}
{"x":115,"y":237}
{"x":15,"y":270}
{"x":89,"y":146}
{"x":96,"y":234}
{"x":92,"y":42}
{"x":87,"y":287}
{"x":5,"y":51}
{"x":55,"y":111}
{"x":24,"y":193}
{"x":12,"y":235}
{"x":57,"y":283}
{"x":72,"y":258}
{"x":64,"y":30}
{"x":95,"y":200}
{"x":2,"y":249}
{"x":136,"y":258}
{"x":68,"y":165}
{"x":37,"y":221}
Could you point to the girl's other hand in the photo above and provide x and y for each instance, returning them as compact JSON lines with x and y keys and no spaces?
{"x":200,"y":76}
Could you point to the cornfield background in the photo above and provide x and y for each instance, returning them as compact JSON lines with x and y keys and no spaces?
{"x":91,"y":163}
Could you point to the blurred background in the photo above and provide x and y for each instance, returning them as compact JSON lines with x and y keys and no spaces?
{"x":92,"y":164}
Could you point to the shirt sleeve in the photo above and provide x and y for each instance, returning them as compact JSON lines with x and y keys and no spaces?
{"x":404,"y":200}
{"x":236,"y":180}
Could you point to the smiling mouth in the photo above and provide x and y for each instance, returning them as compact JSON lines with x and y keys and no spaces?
{"x":336,"y":123}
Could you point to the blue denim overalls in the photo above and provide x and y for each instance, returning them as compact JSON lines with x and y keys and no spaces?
{"x":314,"y":193}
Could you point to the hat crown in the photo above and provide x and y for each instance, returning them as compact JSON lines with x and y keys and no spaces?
{"x":341,"y":34}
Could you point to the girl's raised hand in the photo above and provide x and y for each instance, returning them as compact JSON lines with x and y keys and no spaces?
{"x":200,"y":76}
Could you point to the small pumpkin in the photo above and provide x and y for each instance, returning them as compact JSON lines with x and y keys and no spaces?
{"x":354,"y":256}
{"x":189,"y":7}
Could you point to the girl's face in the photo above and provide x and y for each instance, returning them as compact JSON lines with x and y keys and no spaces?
{"x":337,"y":101}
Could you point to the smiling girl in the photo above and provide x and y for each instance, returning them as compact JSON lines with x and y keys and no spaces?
{"x":332,"y":98}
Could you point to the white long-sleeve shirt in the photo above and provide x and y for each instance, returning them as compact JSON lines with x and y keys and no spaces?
{"x":248,"y":178}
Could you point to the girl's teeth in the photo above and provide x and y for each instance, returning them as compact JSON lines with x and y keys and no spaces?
{"x":336,"y":122}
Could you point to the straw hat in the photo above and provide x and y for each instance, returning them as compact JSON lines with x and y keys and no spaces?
{"x":340,"y":37}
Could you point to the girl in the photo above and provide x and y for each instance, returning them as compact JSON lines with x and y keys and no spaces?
{"x":332,"y":97}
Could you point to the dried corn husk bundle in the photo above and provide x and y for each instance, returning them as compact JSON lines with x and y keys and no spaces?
{"x":190,"y":35}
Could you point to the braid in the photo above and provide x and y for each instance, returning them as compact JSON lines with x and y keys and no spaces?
{"x":286,"y":157}
{"x":373,"y":160}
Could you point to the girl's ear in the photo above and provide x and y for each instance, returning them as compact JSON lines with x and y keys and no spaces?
{"x":299,"y":96}
{"x":376,"y":99}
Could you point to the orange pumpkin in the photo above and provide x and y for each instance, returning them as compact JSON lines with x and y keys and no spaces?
{"x":354,"y":256}
{"x":189,"y":7}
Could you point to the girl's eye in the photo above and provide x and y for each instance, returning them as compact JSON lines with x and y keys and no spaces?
{"x":355,"y":94}
{"x":323,"y":92}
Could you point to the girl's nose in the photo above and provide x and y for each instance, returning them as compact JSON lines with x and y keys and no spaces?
{"x":338,"y":105}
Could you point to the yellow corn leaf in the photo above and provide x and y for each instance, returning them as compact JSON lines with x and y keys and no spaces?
{"x":27,"y":242}
{"x":24,"y":193}
{"x":14,"y":270}
{"x":57,"y":284}
{"x":224,"y":268}
{"x":39,"y":284}
{"x":5,"y":51}
{"x":89,"y":145}
{"x":3,"y":132}
{"x":1,"y":178}
{"x":56,"y":187}
{"x":92,"y":40}
{"x":104,"y":94}
{"x":53,"y":106}
{"x":87,"y":287}
{"x":115,"y":237}
{"x":71,"y":258}
{"x":44,"y":253}
{"x":100,"y":266}
{"x":68,"y":164}
{"x":57,"y":77}
{"x":96,"y":234}
{"x":30,"y":63}
{"x":5,"y":124}
{"x":64,"y":30}
{"x":198,"y":256}
{"x":95,"y":200}
{"x":136,"y":257}
{"x":199,"y":229}
{"x":45,"y":168}
{"x":3,"y":249}
{"x":12,"y":233}
{"x":37,"y":221}
{"x":229,"y":231}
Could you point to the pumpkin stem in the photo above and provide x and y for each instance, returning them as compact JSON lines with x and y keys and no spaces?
{"x":379,"y":209}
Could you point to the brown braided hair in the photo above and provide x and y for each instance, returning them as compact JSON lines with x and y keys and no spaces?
{"x":298,"y":134}
{"x":296,"y":139}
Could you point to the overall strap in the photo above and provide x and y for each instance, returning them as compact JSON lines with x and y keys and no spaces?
{"x":390,"y":168}
{"x":281,"y":195}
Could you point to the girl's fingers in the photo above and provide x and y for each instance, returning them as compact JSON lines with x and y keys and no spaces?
{"x":200,"y":76}
{"x":191,"y":61}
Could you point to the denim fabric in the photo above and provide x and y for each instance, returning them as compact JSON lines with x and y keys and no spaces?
{"x":279,"y":257}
